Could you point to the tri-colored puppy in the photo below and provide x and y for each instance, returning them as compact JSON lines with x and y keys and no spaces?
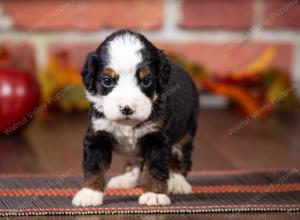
{"x":144,"y":107}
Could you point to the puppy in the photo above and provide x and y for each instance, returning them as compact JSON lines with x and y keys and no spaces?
{"x":144,"y":107}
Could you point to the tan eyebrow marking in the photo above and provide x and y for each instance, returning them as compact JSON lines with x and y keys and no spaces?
{"x":144,"y":72}
{"x":110,"y":72}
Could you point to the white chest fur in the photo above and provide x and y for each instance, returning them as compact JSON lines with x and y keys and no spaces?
{"x":126,"y":135}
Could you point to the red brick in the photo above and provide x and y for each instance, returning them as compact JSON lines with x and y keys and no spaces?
{"x":75,"y":53}
{"x":282,"y":14}
{"x":217,"y":14}
{"x":84,"y":15}
{"x":222,"y":58}
{"x":217,"y":58}
{"x":18,"y":55}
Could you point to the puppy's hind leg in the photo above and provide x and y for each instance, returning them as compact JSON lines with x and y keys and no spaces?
{"x":127,"y":180}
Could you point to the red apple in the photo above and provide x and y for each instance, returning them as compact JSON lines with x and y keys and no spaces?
{"x":19,"y":99}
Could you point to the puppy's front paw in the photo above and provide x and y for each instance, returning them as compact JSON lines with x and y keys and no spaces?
{"x":154,"y":199}
{"x":88,"y":197}
{"x":178,"y":184}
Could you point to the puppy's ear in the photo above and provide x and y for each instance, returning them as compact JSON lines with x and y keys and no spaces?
{"x":89,"y":70}
{"x":164,"y":69}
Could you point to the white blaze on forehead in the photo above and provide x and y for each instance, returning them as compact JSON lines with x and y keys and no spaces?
{"x":124,"y":53}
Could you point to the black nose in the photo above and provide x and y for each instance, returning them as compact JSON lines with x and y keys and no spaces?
{"x":126,"y":110}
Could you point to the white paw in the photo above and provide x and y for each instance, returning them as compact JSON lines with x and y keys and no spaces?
{"x":88,"y":197}
{"x":178,"y":184}
{"x":154,"y":199}
{"x":127,"y":180}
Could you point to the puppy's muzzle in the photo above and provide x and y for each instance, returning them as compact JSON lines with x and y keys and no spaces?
{"x":126,"y":110}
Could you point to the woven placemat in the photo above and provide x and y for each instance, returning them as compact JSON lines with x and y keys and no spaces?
{"x":213,"y":191}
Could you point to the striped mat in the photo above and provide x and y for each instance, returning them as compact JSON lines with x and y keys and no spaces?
{"x":214,"y":191}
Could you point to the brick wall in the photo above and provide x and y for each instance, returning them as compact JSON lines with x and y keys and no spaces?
{"x":223,"y":35}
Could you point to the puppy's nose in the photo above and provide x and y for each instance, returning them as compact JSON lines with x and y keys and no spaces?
{"x":126,"y":110}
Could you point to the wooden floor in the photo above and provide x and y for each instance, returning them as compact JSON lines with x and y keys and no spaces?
{"x":224,"y":140}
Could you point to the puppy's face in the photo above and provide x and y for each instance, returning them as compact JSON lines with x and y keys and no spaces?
{"x":123,"y":77}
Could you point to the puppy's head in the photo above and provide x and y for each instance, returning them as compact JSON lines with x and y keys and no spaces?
{"x":124,"y":76}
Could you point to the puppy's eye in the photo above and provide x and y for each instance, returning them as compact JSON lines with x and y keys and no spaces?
{"x":107,"y":82}
{"x":146,"y":82}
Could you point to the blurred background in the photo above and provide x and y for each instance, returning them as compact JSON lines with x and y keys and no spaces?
{"x":243,"y":55}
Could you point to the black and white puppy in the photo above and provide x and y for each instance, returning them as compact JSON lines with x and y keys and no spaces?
{"x":144,"y":107}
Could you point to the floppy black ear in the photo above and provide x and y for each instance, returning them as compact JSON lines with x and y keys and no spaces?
{"x":164,"y":69}
{"x":89,"y":70}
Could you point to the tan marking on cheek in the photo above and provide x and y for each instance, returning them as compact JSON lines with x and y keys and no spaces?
{"x":110,"y":72}
{"x":144,"y":72}
{"x":153,"y":98}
